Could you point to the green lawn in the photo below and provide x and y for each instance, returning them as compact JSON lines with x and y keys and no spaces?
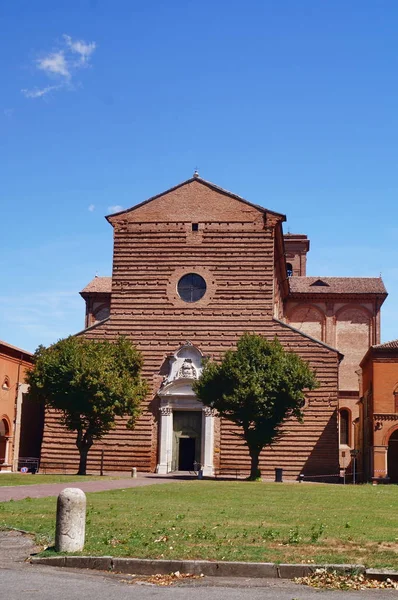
{"x":11,"y":479}
{"x":232,"y":521}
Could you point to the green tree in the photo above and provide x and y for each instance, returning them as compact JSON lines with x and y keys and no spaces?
{"x":91,"y":382}
{"x":257,"y":386}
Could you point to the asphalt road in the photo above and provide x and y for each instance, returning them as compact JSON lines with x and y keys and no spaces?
{"x":20,"y":579}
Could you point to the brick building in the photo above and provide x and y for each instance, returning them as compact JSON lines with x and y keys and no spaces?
{"x":193,"y":268}
{"x":21,"y":422}
{"x":377,"y":435}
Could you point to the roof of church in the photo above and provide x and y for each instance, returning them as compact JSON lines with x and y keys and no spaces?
{"x":337,"y":285}
{"x":203,"y":182}
{"x":382,"y":349}
{"x":98,"y":285}
{"x":10,"y":347}
{"x":298,"y":285}
{"x":393,"y":345}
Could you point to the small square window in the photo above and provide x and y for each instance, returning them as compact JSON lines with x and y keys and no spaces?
{"x":195,"y":226}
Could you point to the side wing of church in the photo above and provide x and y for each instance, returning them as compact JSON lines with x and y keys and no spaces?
{"x":193,"y":269}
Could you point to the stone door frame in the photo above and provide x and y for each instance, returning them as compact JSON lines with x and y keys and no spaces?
{"x":167,"y":407}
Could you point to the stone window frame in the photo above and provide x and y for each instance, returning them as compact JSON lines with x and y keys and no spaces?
{"x":7,"y":422}
{"x":349,"y":433}
{"x":172,"y":292}
{"x":188,"y":288}
{"x":97,"y":310}
{"x":6,"y":385}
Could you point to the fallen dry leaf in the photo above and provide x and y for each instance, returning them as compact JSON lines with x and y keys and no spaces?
{"x":163,"y":580}
{"x":331,"y":580}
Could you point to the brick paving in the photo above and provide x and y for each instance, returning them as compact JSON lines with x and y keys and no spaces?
{"x":43,"y":490}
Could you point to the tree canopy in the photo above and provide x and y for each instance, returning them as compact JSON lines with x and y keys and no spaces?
{"x":91,"y":382}
{"x":257,"y":386}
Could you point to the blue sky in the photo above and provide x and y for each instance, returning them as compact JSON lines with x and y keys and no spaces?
{"x":291,"y":104}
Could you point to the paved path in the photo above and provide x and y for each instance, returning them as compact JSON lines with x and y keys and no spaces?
{"x":19,"y":580}
{"x":41,"y":490}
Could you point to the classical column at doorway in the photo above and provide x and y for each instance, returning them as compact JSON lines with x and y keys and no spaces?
{"x":208,"y":442}
{"x":8,"y":440}
{"x":166,"y":440}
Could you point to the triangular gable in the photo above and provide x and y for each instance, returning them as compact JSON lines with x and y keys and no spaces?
{"x":192,"y":208}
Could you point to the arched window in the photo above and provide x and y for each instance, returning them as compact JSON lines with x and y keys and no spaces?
{"x":101,"y":313}
{"x":4,"y":429}
{"x":289,"y":269}
{"x":4,"y":433}
{"x":344,"y":427}
{"x":6,"y":383}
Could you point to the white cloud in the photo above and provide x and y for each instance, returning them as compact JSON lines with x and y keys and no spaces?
{"x":91,"y":208}
{"x":114,"y":209}
{"x":55,"y":63}
{"x":80,"y":47}
{"x":39,"y":93}
{"x":62,"y":65}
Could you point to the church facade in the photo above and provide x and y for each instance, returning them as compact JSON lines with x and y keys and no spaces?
{"x":193,"y":269}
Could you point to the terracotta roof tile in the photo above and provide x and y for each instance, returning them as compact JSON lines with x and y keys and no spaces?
{"x":99,"y":285}
{"x":336,"y":285}
{"x":393,"y":345}
{"x":15,"y":348}
{"x":298,"y":285}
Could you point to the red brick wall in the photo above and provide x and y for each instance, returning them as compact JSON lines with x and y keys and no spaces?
{"x":14,"y":365}
{"x":350,"y":325}
{"x":234,"y":251}
{"x":385,"y":381}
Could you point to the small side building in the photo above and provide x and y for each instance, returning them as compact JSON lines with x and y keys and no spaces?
{"x":342,"y":312}
{"x":378,"y":423}
{"x":21,"y":421}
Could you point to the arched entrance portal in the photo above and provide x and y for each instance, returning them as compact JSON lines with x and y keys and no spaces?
{"x":392,"y":457}
{"x":4,"y":435}
{"x":186,"y":437}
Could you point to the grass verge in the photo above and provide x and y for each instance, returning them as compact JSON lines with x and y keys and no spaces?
{"x":11,"y":479}
{"x":232,"y":521}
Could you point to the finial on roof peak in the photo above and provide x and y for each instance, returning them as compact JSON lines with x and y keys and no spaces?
{"x":196,"y":173}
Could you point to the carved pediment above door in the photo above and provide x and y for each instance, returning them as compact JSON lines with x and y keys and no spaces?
{"x":184,"y":367}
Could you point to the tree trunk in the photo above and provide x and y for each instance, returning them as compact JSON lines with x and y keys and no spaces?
{"x":83,"y":461}
{"x":83,"y":443}
{"x":255,"y":472}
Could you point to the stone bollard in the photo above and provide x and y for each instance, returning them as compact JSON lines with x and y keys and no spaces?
{"x":71,"y":520}
{"x":134,"y":472}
